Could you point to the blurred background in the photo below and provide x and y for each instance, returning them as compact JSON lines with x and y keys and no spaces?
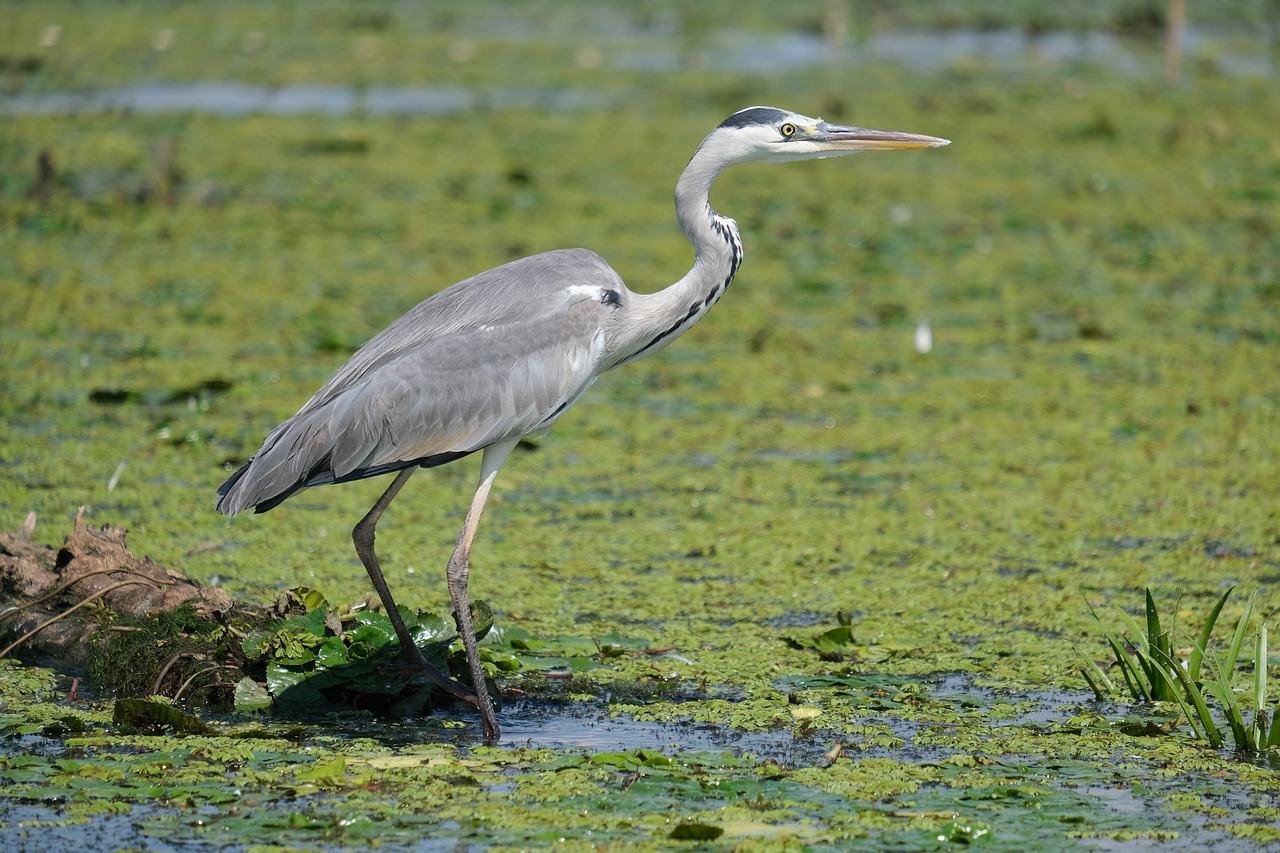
{"x":1060,"y":329}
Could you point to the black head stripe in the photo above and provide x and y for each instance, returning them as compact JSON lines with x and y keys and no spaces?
{"x":755,"y":116}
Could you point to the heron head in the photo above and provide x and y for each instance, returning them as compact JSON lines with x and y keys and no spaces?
{"x":770,"y":134}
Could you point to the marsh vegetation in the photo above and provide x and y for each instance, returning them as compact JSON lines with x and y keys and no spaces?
{"x":802,"y":585}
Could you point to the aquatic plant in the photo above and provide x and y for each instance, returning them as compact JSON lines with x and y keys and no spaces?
{"x":1153,"y":671}
{"x":331,"y":655}
{"x":1099,"y":269}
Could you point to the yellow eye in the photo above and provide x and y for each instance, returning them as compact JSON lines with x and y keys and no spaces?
{"x":788,"y":130}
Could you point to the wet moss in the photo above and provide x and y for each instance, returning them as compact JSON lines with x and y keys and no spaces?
{"x":159,"y":655}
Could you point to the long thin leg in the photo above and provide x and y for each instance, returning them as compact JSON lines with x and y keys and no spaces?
{"x":458,"y":572}
{"x":363,"y":536}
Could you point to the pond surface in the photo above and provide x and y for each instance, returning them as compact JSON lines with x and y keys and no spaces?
{"x":646,"y":765}
{"x":849,"y":575}
{"x":726,"y":51}
{"x":235,"y":99}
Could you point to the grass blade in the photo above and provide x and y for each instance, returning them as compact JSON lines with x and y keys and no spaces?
{"x":1144,"y":643}
{"x":1140,"y":639}
{"x":1211,"y":732}
{"x":1091,"y":671}
{"x":1258,"y":731}
{"x":1197,"y":651}
{"x":1260,"y":670}
{"x":1161,"y":645}
{"x":1237,"y":639}
{"x":1132,"y":680}
{"x":1220,"y":686}
{"x":1153,"y":621}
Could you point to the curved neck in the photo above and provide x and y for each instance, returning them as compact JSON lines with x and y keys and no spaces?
{"x":654,"y":320}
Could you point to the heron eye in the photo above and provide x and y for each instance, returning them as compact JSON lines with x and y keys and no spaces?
{"x":788,"y":130}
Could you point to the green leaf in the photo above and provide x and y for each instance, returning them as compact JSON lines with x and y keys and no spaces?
{"x":1207,"y":728}
{"x":428,"y":628}
{"x":332,"y":653}
{"x":255,"y":643}
{"x":148,"y":715}
{"x":1094,"y":675}
{"x":1273,"y":738}
{"x":325,"y":771}
{"x":1197,"y":650}
{"x":1153,"y":621}
{"x":251,"y":696}
{"x":1260,"y":670}
{"x":696,"y":832}
{"x":309,"y":598}
{"x":373,"y":633}
{"x":834,"y":640}
{"x":309,"y":626}
{"x":1128,"y":670}
{"x":281,"y":678}
{"x":1237,"y":638}
{"x":963,"y":833}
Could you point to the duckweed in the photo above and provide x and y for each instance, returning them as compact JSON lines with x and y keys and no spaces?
{"x":790,"y":511}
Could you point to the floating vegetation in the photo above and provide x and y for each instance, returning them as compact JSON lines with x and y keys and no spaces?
{"x":1096,"y":263}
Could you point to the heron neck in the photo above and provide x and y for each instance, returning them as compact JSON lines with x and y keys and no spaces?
{"x":656,"y":319}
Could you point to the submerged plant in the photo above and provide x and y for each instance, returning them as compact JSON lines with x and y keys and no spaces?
{"x":1153,"y":672}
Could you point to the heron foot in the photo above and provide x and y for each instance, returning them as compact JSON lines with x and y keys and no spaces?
{"x":414,"y":662}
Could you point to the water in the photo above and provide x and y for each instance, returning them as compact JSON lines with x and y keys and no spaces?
{"x":591,"y":728}
{"x":237,"y":99}
{"x":730,"y":51}
{"x":578,"y":727}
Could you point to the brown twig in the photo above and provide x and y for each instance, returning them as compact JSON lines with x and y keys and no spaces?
{"x":65,"y":585}
{"x":65,"y":613}
{"x":164,"y":670}
{"x":193,"y":677}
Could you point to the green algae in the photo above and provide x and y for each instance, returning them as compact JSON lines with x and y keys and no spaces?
{"x":1095,"y":255}
{"x":334,"y":792}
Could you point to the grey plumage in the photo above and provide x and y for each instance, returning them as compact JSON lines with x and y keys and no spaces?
{"x":498,"y":355}
{"x":503,"y":354}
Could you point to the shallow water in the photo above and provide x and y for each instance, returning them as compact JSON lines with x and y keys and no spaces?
{"x":1092,"y":418}
{"x":236,"y":99}
{"x":726,"y":51}
{"x":588,"y":729}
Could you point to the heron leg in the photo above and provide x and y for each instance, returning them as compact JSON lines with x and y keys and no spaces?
{"x":363,"y":536}
{"x":458,"y":572}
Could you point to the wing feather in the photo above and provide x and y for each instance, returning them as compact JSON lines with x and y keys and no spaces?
{"x":497,"y":356}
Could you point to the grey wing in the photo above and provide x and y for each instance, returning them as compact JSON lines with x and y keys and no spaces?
{"x":466,"y":393}
{"x":495,"y":357}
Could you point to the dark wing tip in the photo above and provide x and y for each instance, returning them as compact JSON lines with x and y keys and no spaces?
{"x":225,"y":506}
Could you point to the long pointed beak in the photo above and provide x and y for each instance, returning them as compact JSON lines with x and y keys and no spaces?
{"x":834,"y":137}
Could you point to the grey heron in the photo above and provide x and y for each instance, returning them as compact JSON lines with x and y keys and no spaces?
{"x":501,"y":355}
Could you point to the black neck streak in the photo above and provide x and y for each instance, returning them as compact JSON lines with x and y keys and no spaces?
{"x":724,"y":228}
